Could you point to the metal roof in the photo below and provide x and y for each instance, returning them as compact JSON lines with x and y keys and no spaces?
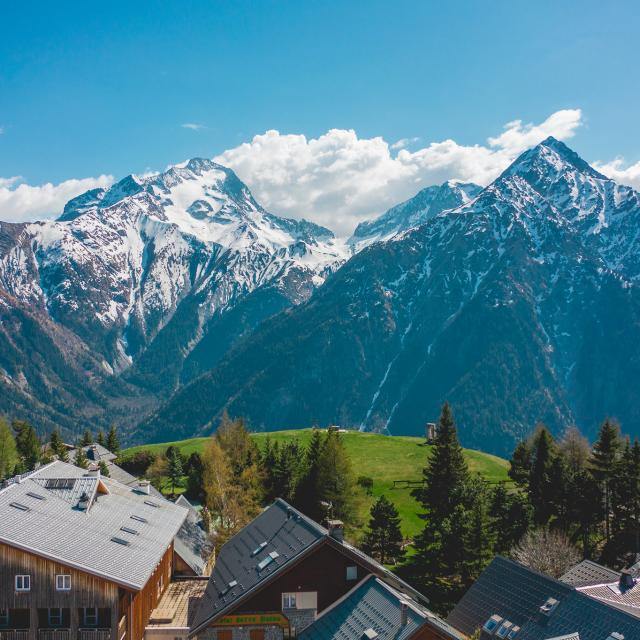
{"x":57,"y":529}
{"x":516,"y":593}
{"x":373,"y":605}
{"x":588,"y":572}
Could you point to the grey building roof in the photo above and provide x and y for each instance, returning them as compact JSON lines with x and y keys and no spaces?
{"x":373,"y":606}
{"x":515,"y":593}
{"x":265,"y":547}
{"x":588,"y":572}
{"x":41,"y":514}
{"x":95,"y":453}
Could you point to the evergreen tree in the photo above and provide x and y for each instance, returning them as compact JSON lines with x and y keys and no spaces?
{"x":604,"y":459}
{"x":335,"y":477}
{"x":27,"y":443}
{"x":268,"y":460}
{"x":55,"y":442}
{"x":446,"y":475}
{"x":63,"y":454}
{"x":113,"y":444}
{"x":307,"y":497}
{"x":521,"y":464}
{"x":510,"y":517}
{"x":104,"y":469}
{"x":101,"y":439}
{"x":541,"y":489}
{"x":195,"y":468}
{"x":586,"y":508}
{"x":286,"y":470}
{"x":479,"y":538}
{"x":8,"y":451}
{"x":175,"y":470}
{"x":81,"y":459}
{"x":383,"y":540}
{"x":87,"y":438}
{"x":625,"y":500}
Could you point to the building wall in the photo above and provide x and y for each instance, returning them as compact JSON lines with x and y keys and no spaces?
{"x":86,"y":590}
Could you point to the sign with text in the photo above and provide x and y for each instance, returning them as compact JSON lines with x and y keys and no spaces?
{"x":248,"y":619}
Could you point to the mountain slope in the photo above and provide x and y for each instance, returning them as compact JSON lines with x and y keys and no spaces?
{"x":140,"y":277}
{"x":518,"y":306}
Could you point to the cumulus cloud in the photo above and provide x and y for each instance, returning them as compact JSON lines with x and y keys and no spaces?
{"x":20,"y":202}
{"x":617,"y":171}
{"x":403,"y":142}
{"x":339,"y":179}
{"x":194,"y":126}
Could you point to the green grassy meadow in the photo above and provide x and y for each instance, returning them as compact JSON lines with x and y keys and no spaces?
{"x":383,"y":458}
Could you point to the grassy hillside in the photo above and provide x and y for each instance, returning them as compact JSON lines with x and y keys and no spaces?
{"x":383,"y":458}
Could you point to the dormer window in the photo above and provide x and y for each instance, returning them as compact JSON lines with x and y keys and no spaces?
{"x":492,"y":623}
{"x":504,"y":629}
{"x":549,"y":606}
{"x":513,"y":632}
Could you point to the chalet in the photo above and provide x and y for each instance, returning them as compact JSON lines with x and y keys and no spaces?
{"x":82,"y":556}
{"x":512,"y":602}
{"x":284,"y":575}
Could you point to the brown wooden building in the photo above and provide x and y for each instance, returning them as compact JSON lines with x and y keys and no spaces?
{"x":284,"y":576}
{"x":82,"y":557}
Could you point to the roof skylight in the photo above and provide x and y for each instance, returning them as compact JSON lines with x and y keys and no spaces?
{"x":138,"y":518}
{"x":265,"y":562}
{"x":122,"y":541}
{"x":37,"y":496}
{"x":153,"y":504}
{"x":17,"y":505}
{"x":129,"y":530}
{"x":258,"y":549}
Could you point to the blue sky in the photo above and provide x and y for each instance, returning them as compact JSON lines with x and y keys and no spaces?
{"x":90,"y":89}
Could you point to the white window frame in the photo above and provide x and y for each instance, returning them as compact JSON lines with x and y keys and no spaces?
{"x":23,"y":583}
{"x":86,"y":618}
{"x":289,"y":600}
{"x":63,"y":582}
{"x":4,"y":618}
{"x":57,"y":617}
{"x":352,"y":573}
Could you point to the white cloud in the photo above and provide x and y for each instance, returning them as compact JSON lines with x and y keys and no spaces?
{"x":20,"y":202}
{"x":617,"y":171}
{"x":338,"y":179}
{"x":404,"y":142}
{"x":194,"y":126}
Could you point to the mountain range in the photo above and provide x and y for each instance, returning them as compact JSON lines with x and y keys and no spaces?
{"x":166,"y":300}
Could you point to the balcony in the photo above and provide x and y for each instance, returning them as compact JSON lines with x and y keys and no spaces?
{"x":94,"y":634}
{"x":54,"y":634}
{"x":14,"y":634}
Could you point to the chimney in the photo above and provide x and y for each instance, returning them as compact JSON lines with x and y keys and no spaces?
{"x":336,"y":529}
{"x":404,"y":613}
{"x":626,"y":580}
{"x":144,"y":487}
{"x":83,"y":503}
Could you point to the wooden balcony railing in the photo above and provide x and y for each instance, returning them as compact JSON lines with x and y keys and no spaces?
{"x":14,"y":634}
{"x":54,"y":634}
{"x":94,"y":634}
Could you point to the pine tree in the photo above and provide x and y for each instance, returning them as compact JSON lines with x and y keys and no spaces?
{"x":446,"y":475}
{"x":479,"y":538}
{"x":335,"y":477}
{"x":541,"y":489}
{"x":27,"y":443}
{"x":195,"y":468}
{"x":625,"y":500}
{"x":81,"y":459}
{"x":8,"y":451}
{"x":104,"y":469}
{"x":55,"y":442}
{"x":383,"y":540}
{"x":521,"y":464}
{"x":510,"y":517}
{"x":286,"y":470}
{"x":87,"y":438}
{"x":268,"y":460}
{"x":307,"y":498}
{"x":101,"y":439}
{"x":113,"y":444}
{"x":175,"y":470}
{"x":586,"y":508}
{"x":604,"y":458}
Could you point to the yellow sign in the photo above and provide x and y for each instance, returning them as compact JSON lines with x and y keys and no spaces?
{"x":249,"y":619}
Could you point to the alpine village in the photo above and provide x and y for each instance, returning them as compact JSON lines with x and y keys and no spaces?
{"x":353,"y":353}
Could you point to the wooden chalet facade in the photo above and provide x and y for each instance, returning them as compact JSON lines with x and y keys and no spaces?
{"x":82,"y":557}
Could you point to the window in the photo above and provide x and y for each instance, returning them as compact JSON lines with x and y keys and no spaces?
{"x":63,"y":583}
{"x":513,"y":632}
{"x":23,"y":583}
{"x":4,"y":617}
{"x":288,"y":600}
{"x":90,"y":617}
{"x":504,"y":629}
{"x":352,"y":573}
{"x":265,"y":562}
{"x":492,"y":623}
{"x":54,"y":616}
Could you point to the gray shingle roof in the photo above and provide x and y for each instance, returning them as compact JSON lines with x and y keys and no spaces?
{"x":516,"y":593}
{"x":589,"y":573}
{"x":372,"y":604}
{"x":55,"y":528}
{"x":283,"y":534}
